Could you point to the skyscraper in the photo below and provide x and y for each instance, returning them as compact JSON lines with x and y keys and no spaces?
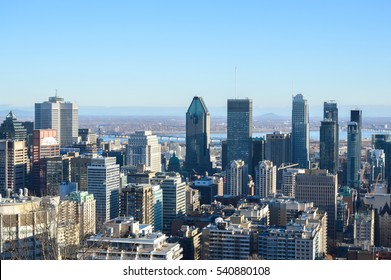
{"x":12,"y":129}
{"x":14,"y":165}
{"x":174,"y":200}
{"x":237,"y":178}
{"x":59,"y":115}
{"x":354,"y":149}
{"x":144,"y":148}
{"x":279,"y":151}
{"x":266,"y":175}
{"x":329,"y":138}
{"x":45,"y":146}
{"x":328,"y":146}
{"x":104,"y":184}
{"x":239,"y":130}
{"x":300,"y":131}
{"x":319,"y":187}
{"x":198,"y":137}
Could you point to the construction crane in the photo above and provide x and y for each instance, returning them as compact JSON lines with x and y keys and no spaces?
{"x":283,"y":166}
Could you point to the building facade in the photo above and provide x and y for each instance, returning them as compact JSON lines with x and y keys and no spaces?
{"x":300,"y":131}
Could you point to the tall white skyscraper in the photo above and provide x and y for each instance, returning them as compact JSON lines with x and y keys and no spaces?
{"x":266,"y":178}
{"x":174,"y":199}
{"x":59,"y":115}
{"x":144,"y":148}
{"x":104,"y":184}
{"x":237,"y":178}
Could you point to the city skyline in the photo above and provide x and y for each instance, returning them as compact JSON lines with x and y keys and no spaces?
{"x":151,"y":54}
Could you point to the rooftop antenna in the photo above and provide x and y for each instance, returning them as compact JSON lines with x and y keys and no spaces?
{"x":56,"y":93}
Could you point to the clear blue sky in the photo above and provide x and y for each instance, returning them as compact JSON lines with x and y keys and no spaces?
{"x":162,"y":53}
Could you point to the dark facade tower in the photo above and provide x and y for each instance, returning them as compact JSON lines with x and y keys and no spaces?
{"x":198,"y":137}
{"x":329,"y":138}
{"x":239,"y":130}
{"x":300,"y":131}
{"x":12,"y":129}
{"x":354,"y":148}
{"x":353,"y":161}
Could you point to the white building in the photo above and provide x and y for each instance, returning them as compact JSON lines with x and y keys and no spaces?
{"x":144,"y":148}
{"x":364,"y":229}
{"x":126,"y":239}
{"x":237,"y":178}
{"x":59,"y":115}
{"x":266,"y":178}
{"x":28,"y":227}
{"x":104,"y":184}
{"x":225,"y":240}
{"x":174,"y":199}
{"x":304,"y":239}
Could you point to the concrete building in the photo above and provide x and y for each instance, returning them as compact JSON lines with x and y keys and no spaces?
{"x":208,"y":188}
{"x":300,"y":131}
{"x":137,"y":201}
{"x":284,"y":210}
{"x":364,"y":229}
{"x":59,"y":115}
{"x":14,"y":165}
{"x":321,"y":188}
{"x":198,"y":137}
{"x":237,"y":178}
{"x":44,"y":146}
{"x":104,"y":184}
{"x":189,"y":237}
{"x":144,"y":148}
{"x":304,"y":239}
{"x":192,"y":200}
{"x":85,"y":206}
{"x":126,"y":239}
{"x":224,"y":240}
{"x":239,"y":131}
{"x":28,"y":227}
{"x":289,"y":180}
{"x":174,"y":199}
{"x":266,"y":179}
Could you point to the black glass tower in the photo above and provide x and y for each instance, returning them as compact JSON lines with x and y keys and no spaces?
{"x":239,"y":130}
{"x":329,"y":138}
{"x":300,"y":131}
{"x":198,"y":137}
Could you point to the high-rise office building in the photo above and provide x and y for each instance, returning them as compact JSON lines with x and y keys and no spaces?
{"x":174,"y":199}
{"x":104,"y":184}
{"x":137,"y":201}
{"x":45,"y":146}
{"x":321,"y":188}
{"x":144,"y":149}
{"x":329,"y":138}
{"x":11,"y":128}
{"x":266,"y":178}
{"x":14,"y":165}
{"x":157,"y":207}
{"x":300,"y":131}
{"x":239,"y":131}
{"x":198,"y":137}
{"x":59,"y":115}
{"x":237,"y":178}
{"x":279,"y":151}
{"x":329,"y":146}
{"x":258,"y":150}
{"x":353,"y":155}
